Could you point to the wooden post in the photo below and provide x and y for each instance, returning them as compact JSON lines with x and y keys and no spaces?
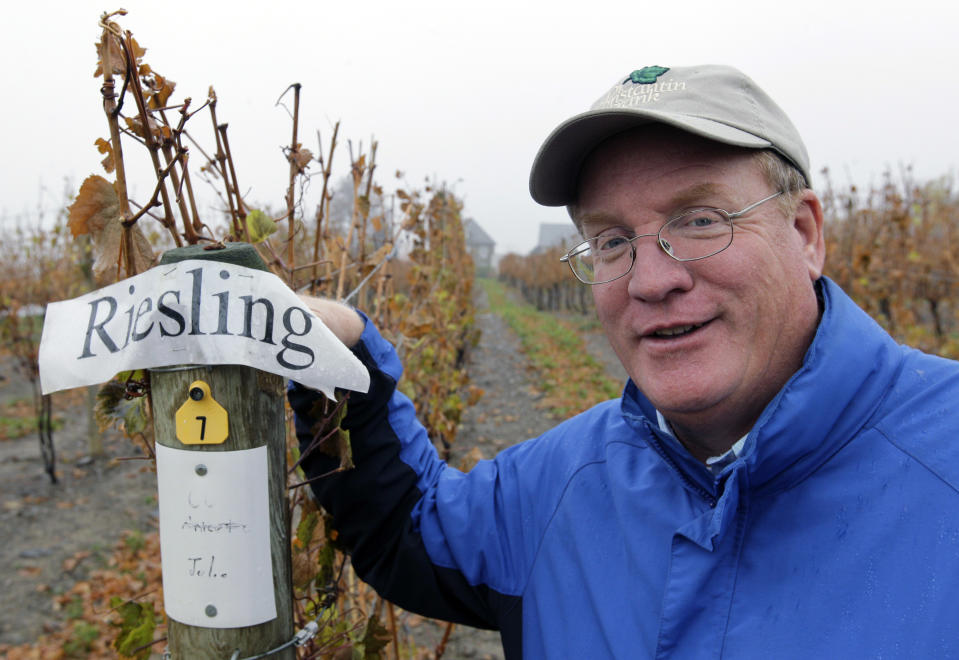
{"x":255,"y":402}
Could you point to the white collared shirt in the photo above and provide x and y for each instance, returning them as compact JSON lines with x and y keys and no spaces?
{"x":715,"y":464}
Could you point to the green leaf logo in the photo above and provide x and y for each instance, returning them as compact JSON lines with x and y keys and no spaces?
{"x":647,"y":75}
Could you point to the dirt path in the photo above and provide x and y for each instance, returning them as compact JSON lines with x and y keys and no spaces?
{"x":506,"y":414}
{"x":44,"y":526}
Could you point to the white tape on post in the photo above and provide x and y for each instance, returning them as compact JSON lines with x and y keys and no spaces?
{"x":215,"y":537}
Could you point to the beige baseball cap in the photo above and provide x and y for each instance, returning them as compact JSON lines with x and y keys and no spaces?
{"x":717,"y":102}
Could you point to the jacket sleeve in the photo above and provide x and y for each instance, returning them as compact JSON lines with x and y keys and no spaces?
{"x":424,"y":535}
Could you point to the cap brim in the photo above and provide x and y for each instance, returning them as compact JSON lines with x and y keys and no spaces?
{"x":555,"y":170}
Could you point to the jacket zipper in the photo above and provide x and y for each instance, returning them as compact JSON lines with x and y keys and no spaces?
{"x":692,"y":485}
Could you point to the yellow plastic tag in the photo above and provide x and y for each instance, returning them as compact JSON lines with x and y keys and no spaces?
{"x":201,"y":420}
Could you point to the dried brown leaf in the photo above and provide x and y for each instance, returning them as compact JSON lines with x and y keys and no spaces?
{"x":363,"y":206}
{"x":109,"y":48}
{"x":104,"y":147}
{"x":409,"y":222}
{"x":96,"y":211}
{"x":381,"y":253}
{"x":143,"y":255}
{"x":138,"y":51}
{"x":95,"y":207}
{"x":305,"y":569}
{"x":468,"y":462}
{"x":301,"y":158}
{"x":375,"y":638}
{"x":162,"y":90}
{"x":108,"y":251}
{"x":136,"y":127}
{"x":110,"y":45}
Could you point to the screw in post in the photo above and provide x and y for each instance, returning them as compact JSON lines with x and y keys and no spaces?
{"x":196,"y":393}
{"x":200,"y":469}
{"x":210,"y":610}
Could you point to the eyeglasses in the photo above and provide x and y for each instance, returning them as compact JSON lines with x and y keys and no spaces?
{"x":693,"y":235}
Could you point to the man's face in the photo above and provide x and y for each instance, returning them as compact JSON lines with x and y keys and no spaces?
{"x":708,"y":342}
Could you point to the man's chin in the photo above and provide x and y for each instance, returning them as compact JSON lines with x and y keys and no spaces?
{"x":688,"y":402}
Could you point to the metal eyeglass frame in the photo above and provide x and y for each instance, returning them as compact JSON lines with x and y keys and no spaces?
{"x":659,"y":239}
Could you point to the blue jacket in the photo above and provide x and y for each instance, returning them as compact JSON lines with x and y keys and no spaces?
{"x":835,"y":534}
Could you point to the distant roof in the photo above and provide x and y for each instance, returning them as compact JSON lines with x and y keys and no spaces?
{"x":557,"y":234}
{"x":475,"y":235}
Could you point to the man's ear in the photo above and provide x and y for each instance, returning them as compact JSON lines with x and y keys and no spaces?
{"x":808,"y":222}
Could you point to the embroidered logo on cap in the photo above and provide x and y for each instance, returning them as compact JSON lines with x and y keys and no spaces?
{"x":647,"y":75}
{"x":649,"y":86}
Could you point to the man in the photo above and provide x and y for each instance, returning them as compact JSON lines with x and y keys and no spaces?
{"x":779,"y":478}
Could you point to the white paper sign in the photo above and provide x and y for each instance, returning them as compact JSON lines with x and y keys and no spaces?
{"x":193,"y":312}
{"x":215,"y":537}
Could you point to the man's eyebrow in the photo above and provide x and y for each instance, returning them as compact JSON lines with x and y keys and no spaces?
{"x":692,"y":195}
{"x":696,"y":194}
{"x":595,"y":218}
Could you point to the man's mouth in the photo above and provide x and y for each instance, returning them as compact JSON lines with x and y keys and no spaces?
{"x":677,"y":331}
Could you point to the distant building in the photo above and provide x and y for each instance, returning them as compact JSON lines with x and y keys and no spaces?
{"x":480,"y":246}
{"x":556,"y":234}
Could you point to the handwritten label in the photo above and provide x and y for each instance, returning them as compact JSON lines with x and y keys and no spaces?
{"x":193,"y":312}
{"x":214,"y":537}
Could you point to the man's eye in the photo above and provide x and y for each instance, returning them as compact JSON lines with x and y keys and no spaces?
{"x":703,"y":223}
{"x":698,"y":220}
{"x":606,"y":243}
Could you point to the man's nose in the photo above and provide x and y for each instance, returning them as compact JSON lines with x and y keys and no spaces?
{"x":655,"y":274}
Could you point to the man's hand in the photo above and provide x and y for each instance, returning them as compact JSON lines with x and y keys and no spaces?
{"x":341,"y":319}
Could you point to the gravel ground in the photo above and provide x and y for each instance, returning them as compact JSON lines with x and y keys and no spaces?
{"x":43,"y":526}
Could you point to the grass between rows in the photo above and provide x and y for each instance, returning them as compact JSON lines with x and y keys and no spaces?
{"x":19,"y":418}
{"x":570,"y":379}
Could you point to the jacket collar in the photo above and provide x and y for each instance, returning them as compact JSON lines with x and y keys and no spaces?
{"x":846,"y":372}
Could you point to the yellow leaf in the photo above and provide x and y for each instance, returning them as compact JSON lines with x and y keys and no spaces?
{"x":259,"y":226}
